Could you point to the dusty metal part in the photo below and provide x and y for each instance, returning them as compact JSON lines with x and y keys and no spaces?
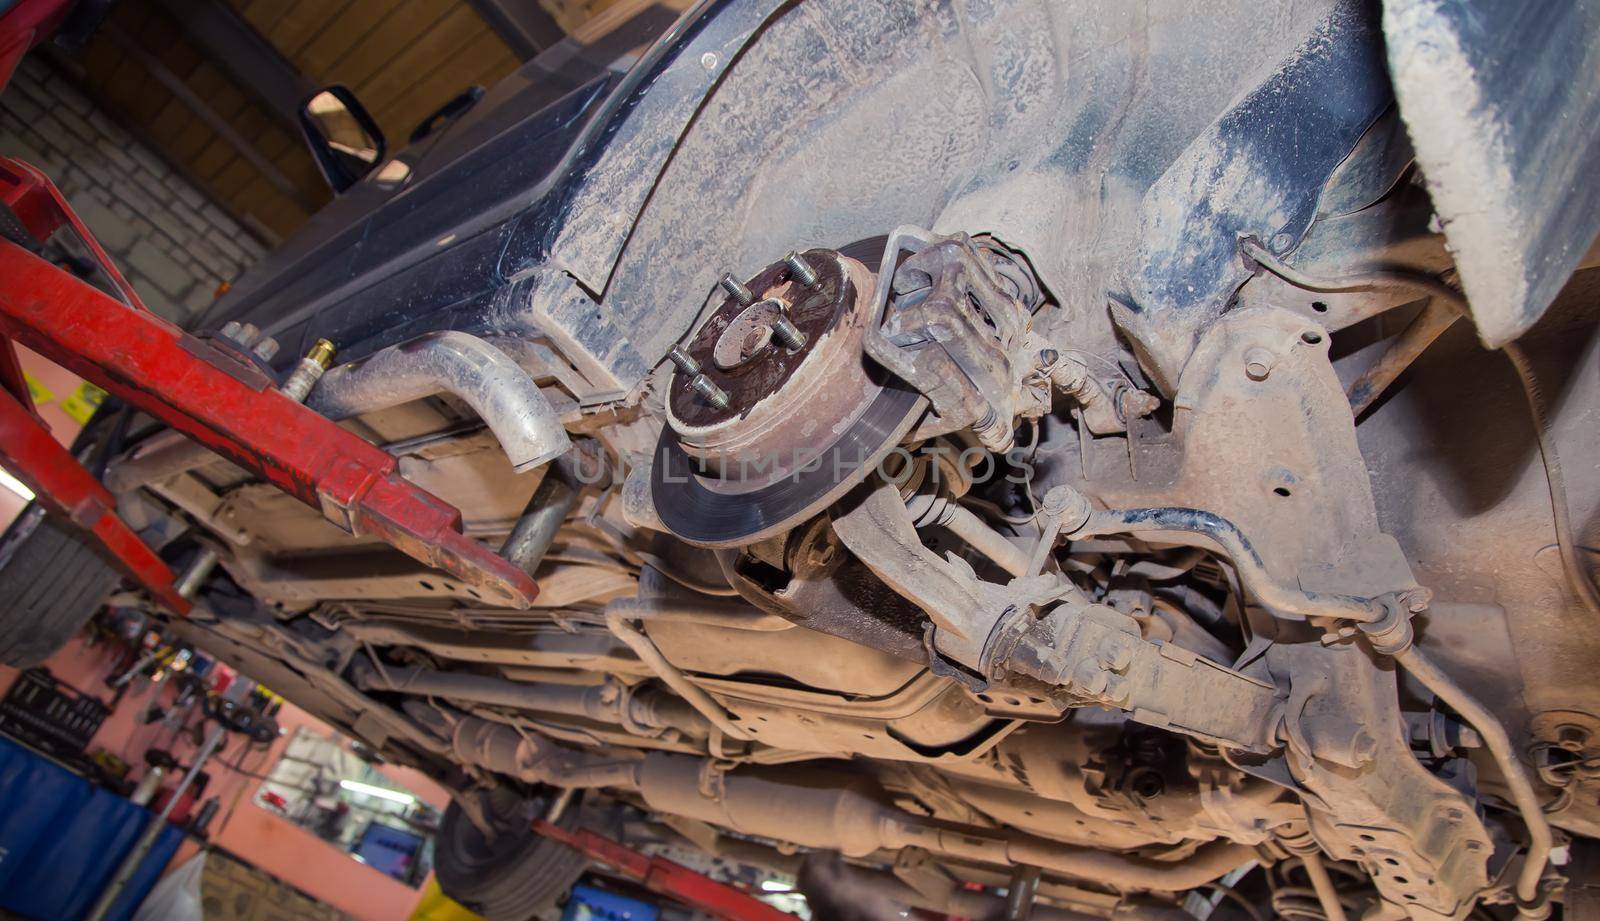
{"x":1531,"y":901}
{"x":1282,"y":600}
{"x":190,"y":494}
{"x":1445,"y":305}
{"x":830,"y":591}
{"x":160,"y":457}
{"x":803,"y":425}
{"x":963,"y":609}
{"x":607,"y":702}
{"x":1326,"y":893}
{"x":786,"y":404}
{"x":554,"y":499}
{"x":942,"y":322}
{"x":1428,"y":325}
{"x":929,"y":511}
{"x":929,"y":720}
{"x":844,"y":816}
{"x":496,"y":388}
{"x":712,"y":612}
{"x":534,"y":758}
{"x":1074,"y":378}
{"x":1314,"y":469}
{"x":1093,"y":653}
{"x":1416,"y":834}
{"x":368,"y":572}
{"x":546,"y":647}
{"x":948,"y":899}
{"x":617,"y":622}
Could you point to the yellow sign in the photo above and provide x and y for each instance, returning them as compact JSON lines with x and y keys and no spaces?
{"x":37,"y":391}
{"x":83,"y":402}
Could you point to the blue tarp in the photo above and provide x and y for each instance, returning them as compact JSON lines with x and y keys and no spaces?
{"x":62,"y":839}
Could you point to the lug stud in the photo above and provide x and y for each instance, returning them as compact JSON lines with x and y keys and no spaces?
{"x":713,"y":394}
{"x":787,"y":333}
{"x":739,"y":292}
{"x":800,"y":269}
{"x":684,"y":360}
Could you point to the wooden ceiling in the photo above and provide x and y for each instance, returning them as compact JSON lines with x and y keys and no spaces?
{"x":403,"y":58}
{"x":234,"y":135}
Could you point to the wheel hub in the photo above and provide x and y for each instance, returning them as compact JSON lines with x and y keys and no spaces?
{"x":774,"y":410}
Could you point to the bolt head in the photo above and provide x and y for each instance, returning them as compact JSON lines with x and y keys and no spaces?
{"x":266,"y":348}
{"x":1138,"y":403}
{"x":1058,"y":498}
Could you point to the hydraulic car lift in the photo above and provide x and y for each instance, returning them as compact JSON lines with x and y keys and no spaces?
{"x":227,"y":404}
{"x":670,"y":879}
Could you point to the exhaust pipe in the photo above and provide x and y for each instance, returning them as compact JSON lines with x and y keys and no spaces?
{"x":846,"y":815}
{"x":607,"y":703}
{"x":497,"y":389}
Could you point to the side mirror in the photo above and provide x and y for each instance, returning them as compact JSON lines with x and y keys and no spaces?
{"x":344,"y":139}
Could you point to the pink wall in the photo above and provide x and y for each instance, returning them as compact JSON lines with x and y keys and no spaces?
{"x":261,"y":837}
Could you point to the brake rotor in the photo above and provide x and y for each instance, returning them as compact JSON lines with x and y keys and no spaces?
{"x":794,"y":417}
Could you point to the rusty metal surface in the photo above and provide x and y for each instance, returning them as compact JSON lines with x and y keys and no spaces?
{"x":815,"y":309}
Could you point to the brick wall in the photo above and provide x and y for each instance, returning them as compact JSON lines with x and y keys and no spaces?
{"x":173,"y":244}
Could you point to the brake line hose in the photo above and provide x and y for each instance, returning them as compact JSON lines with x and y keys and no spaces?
{"x":1578,"y":578}
{"x":1566,"y":543}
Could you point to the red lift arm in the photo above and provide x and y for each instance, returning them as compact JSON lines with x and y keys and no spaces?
{"x":661,"y":875}
{"x":230,"y":407}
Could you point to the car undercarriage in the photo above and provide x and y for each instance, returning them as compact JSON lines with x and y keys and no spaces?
{"x":992,"y":439}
